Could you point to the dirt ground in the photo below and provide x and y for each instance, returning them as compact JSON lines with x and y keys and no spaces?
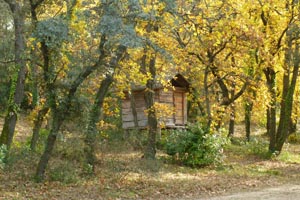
{"x":284,"y":192}
{"x":121,"y":174}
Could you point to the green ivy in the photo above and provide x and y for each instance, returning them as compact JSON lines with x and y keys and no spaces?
{"x":3,"y":153}
{"x":12,"y":106}
{"x":53,"y":32}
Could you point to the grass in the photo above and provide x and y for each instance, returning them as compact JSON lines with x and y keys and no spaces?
{"x":121,"y":173}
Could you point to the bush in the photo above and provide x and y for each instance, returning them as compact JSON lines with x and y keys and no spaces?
{"x":64,"y":173}
{"x":258,"y":147}
{"x":294,"y":138}
{"x":71,"y":149}
{"x":195,"y":146}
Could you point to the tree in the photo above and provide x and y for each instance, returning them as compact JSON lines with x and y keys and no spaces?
{"x":116,"y":31}
{"x":18,"y":79}
{"x":279,"y":51}
{"x":97,"y":107}
{"x":154,"y":60}
{"x":290,"y":75}
{"x":7,"y":54}
{"x":212,"y":34}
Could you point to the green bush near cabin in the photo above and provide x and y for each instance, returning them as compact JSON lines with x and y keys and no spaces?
{"x":195,"y":146}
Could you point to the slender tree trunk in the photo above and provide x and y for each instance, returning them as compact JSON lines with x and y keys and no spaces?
{"x":287,"y":96}
{"x":232,"y":113}
{"x":199,"y":110}
{"x":271,"y":113}
{"x":268,"y":127}
{"x":133,"y":110}
{"x":220,"y":116}
{"x":34,"y":85}
{"x":150,"y":150}
{"x":94,"y":116}
{"x":272,"y":122}
{"x":56,"y":124}
{"x":33,"y":52}
{"x":96,"y":111}
{"x":207,"y":100}
{"x":248,"y":111}
{"x":37,"y":124}
{"x":17,"y":87}
{"x":231,"y":121}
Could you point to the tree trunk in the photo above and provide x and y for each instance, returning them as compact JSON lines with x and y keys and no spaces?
{"x":37,"y":124}
{"x":133,"y":110}
{"x":94,"y":117}
{"x":17,"y":87}
{"x":272,"y":122}
{"x":150,"y":150}
{"x":96,"y":111}
{"x":248,"y":111}
{"x":271,"y":113}
{"x":287,"y":96}
{"x":56,"y":124}
{"x":268,"y":127}
{"x":231,"y":121}
{"x":62,"y":111}
{"x":207,"y":100}
{"x":232,"y":113}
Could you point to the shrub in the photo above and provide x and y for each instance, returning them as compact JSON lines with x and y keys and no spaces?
{"x":64,"y":173}
{"x":71,"y":149}
{"x":294,"y":138}
{"x":259,"y":147}
{"x":195,"y":146}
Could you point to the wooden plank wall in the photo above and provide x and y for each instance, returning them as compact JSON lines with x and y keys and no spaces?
{"x":166,"y":97}
{"x":179,"y":106}
{"x":176,"y":99}
{"x":127,"y":116}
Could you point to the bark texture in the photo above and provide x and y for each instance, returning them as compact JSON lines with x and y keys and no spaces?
{"x":60,"y":112}
{"x":96,"y":111}
{"x":150,"y":150}
{"x":287,"y":94}
{"x":18,"y":84}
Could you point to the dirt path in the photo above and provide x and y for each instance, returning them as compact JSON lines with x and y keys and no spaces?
{"x":284,"y":192}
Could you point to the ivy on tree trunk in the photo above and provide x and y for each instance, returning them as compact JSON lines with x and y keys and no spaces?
{"x":150,"y":150}
{"x":95,"y":113}
{"x":18,"y":83}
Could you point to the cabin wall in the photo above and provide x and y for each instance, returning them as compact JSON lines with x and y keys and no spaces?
{"x":175,"y":99}
{"x":166,"y":97}
{"x":127,"y":115}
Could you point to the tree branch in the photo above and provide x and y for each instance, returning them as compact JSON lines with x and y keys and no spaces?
{"x":225,"y":92}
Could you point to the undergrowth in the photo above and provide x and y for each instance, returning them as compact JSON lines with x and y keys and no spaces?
{"x":195,"y":146}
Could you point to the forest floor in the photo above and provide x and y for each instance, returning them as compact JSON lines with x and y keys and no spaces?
{"x":122,"y":174}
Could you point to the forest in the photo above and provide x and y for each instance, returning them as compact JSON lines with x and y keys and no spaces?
{"x":147,"y":99}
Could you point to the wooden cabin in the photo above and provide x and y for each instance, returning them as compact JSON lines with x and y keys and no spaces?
{"x":174,"y":98}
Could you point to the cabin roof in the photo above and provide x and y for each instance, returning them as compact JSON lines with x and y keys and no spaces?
{"x":176,"y":80}
{"x":179,"y":81}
